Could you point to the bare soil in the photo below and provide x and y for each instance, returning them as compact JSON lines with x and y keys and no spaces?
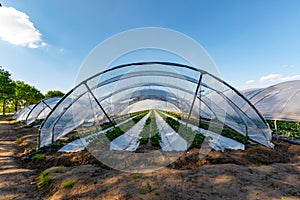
{"x":256,"y":173}
{"x":14,"y":179}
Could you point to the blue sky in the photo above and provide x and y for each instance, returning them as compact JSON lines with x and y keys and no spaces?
{"x":253,"y":43}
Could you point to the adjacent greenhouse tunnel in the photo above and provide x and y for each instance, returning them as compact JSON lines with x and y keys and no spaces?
{"x":21,"y":114}
{"x":41,"y":110}
{"x":277,"y":102}
{"x":184,"y":98}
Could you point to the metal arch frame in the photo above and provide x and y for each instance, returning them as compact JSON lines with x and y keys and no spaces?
{"x":152,"y":63}
{"x":155,"y":84}
{"x":42,"y":101}
{"x":112,"y":80}
{"x":215,"y":105}
{"x":33,"y":109}
{"x":63,"y":112}
{"x":243,"y":97}
{"x":27,"y":107}
{"x":145,"y":73}
{"x":48,"y":107}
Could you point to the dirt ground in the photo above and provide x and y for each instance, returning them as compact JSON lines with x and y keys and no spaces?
{"x":256,"y":173}
{"x":14,"y":179}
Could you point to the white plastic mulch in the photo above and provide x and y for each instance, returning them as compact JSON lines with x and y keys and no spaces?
{"x":129,"y":141}
{"x":170,"y":140}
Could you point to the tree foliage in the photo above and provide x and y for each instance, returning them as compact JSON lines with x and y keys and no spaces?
{"x":26,"y":94}
{"x":16,"y":94}
{"x":54,"y":93}
{"x":6,"y":88}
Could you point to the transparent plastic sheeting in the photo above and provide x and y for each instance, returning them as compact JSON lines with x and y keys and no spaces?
{"x":41,"y":110}
{"x":154,"y":85}
{"x":21,"y":114}
{"x":277,"y":102}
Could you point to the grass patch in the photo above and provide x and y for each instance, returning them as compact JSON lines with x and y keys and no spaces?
{"x":58,"y":170}
{"x":95,"y":165}
{"x":56,"y":145}
{"x":37,"y":157}
{"x":68,"y":184}
{"x":43,"y":179}
{"x":143,"y":191}
{"x":148,"y":186}
{"x":272,"y":185}
{"x":135,"y":176}
{"x":147,"y":189}
{"x":19,"y":140}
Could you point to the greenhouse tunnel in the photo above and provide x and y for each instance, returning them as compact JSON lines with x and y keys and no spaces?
{"x":277,"y":102}
{"x":41,"y":110}
{"x":21,"y":114}
{"x":175,"y":99}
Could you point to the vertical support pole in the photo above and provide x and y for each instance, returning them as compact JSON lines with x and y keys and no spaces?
{"x":94,"y":115}
{"x":195,"y":95}
{"x":39,"y":139}
{"x":200,"y":99}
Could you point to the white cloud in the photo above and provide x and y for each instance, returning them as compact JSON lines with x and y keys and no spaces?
{"x":17,"y":29}
{"x":250,"y":81}
{"x":270,"y":78}
{"x":278,"y":77}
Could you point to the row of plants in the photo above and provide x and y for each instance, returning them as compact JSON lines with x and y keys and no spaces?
{"x":193,"y":137}
{"x":286,"y":128}
{"x":175,"y":115}
{"x":56,"y":145}
{"x":224,"y":131}
{"x":143,"y":113}
{"x":115,"y":120}
{"x":150,"y":134}
{"x":43,"y":179}
{"x":113,"y":133}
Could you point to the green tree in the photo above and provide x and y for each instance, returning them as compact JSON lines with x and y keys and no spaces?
{"x":54,"y":93}
{"x":35,"y":96}
{"x":25,"y":95}
{"x":6,"y":88}
{"x":16,"y":93}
